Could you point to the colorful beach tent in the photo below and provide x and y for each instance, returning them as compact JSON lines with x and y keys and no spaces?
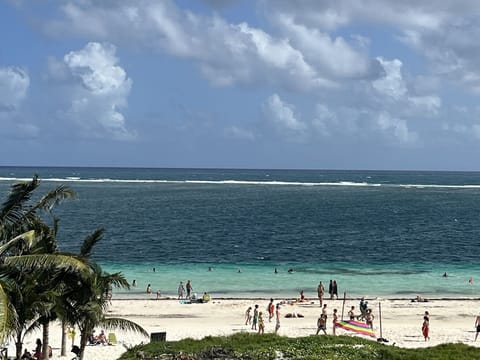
{"x":357,"y":327}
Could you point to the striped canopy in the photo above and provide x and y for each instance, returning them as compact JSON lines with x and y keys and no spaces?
{"x":357,"y":327}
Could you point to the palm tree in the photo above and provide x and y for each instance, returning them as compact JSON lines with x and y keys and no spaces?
{"x":20,"y":215}
{"x":66,"y":285}
{"x":86,"y":308}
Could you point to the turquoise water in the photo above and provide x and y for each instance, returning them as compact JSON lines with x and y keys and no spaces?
{"x":356,"y":280}
{"x":384,"y":233}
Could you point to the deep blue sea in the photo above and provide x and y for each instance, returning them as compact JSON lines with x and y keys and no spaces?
{"x":378,"y":233}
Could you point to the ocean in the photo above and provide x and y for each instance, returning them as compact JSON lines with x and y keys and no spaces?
{"x":385,"y":234}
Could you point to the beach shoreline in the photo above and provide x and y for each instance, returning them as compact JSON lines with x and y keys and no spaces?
{"x":451,"y":321}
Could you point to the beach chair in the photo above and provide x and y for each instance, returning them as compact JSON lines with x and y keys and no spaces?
{"x":76,"y":351}
{"x":112,"y":339}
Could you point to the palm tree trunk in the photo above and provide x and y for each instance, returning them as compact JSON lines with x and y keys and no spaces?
{"x":46,"y":337}
{"x":18,"y":346}
{"x":83,"y":343}
{"x":63,"y":351}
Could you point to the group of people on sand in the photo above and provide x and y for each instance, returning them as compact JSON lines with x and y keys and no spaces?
{"x":365,"y":315}
{"x":185,"y":292}
{"x":100,"y":339}
{"x":255,"y":317}
{"x":332,"y":291}
{"x":37,"y":353}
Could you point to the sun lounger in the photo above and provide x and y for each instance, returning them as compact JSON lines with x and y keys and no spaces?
{"x":112,"y":339}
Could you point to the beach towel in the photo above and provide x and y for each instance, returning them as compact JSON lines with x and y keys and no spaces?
{"x":356,"y":327}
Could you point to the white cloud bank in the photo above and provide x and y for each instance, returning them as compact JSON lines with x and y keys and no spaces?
{"x":98,"y":91}
{"x":14,"y":84}
{"x":301,"y":58}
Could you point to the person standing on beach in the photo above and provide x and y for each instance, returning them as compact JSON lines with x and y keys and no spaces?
{"x":477,"y":325}
{"x":149,"y":289}
{"x":189,"y":289}
{"x":330,"y":289}
{"x":335,"y":289}
{"x":425,"y":327}
{"x":271,"y":310}
{"x":320,"y":292}
{"x":248,"y":316}
{"x":369,"y":318}
{"x":324,"y":311}
{"x":255,"y":318}
{"x":181,"y":290}
{"x":363,"y":309}
{"x":351,"y":313}
{"x":334,"y":321}
{"x":277,"y":318}
{"x":261,"y":324}
{"x":322,"y":324}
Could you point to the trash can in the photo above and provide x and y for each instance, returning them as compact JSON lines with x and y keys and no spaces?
{"x":158,"y":336}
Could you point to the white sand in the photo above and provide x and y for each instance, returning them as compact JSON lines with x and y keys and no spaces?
{"x":451,"y":321}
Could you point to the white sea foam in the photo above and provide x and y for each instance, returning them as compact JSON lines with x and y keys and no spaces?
{"x":247,"y":182}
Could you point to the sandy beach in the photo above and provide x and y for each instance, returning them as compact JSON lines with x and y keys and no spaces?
{"x":451,"y":321}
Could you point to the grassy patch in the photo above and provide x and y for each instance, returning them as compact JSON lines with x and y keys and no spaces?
{"x":269,"y":346}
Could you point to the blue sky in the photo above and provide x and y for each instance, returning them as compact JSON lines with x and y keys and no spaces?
{"x":314,"y":84}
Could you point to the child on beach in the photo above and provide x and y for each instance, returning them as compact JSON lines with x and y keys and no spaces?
{"x":351,"y":313}
{"x":324,"y":311}
{"x":248,"y":316}
{"x":322,"y":324}
{"x":261,"y":324}
{"x":255,"y":318}
{"x":369,"y":318}
{"x":334,"y":320}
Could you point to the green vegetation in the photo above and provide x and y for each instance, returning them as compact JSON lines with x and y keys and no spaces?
{"x":38,"y":283}
{"x":270,"y":346}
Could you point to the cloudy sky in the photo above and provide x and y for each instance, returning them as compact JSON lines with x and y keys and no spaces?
{"x":315,"y":84}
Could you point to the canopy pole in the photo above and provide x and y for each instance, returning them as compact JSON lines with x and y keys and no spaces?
{"x":380,"y":317}
{"x":343,"y":305}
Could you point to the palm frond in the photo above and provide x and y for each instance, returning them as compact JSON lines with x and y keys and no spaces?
{"x":20,"y":193}
{"x":122,"y":324}
{"x":28,"y":238}
{"x":53,"y":198}
{"x":4,"y":313}
{"x":90,"y":241}
{"x":45,"y":261}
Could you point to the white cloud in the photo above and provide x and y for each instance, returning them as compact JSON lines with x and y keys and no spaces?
{"x":333,"y":58}
{"x":226,"y":53}
{"x":430,"y":103}
{"x":281,"y":115}
{"x":98,"y":91}
{"x":95,"y":65}
{"x":392,"y":83}
{"x":14,"y":84}
{"x":324,"y":120}
{"x":395,"y":127}
{"x":240,"y":133}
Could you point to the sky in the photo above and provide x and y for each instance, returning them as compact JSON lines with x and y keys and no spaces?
{"x":307,"y":84}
